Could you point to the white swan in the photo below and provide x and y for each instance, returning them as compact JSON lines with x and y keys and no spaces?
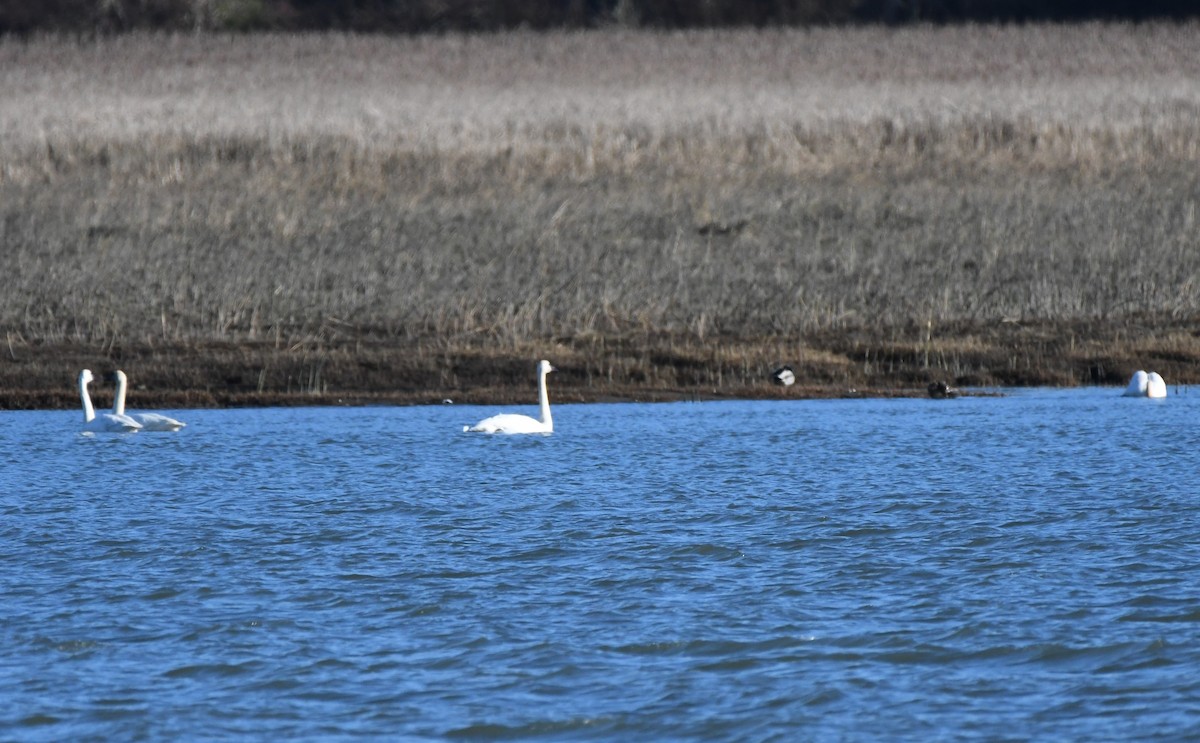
{"x":105,"y":422}
{"x":1146,"y":385}
{"x":784,"y":376}
{"x":1156,"y":386}
{"x":514,"y":423}
{"x":149,"y":421}
{"x":1137,"y":385}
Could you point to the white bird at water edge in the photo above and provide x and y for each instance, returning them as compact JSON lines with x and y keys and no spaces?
{"x":149,"y":421}
{"x":1156,"y":386}
{"x":515,"y":423}
{"x":1146,"y":385}
{"x":105,"y":422}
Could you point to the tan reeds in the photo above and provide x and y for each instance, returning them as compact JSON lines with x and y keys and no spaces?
{"x":496,"y":191}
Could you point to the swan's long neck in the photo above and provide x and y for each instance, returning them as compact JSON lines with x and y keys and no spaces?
{"x":544,"y":402}
{"x":119,"y":398}
{"x":89,"y":413}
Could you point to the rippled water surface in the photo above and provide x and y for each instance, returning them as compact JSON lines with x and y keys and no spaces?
{"x":1011,"y":567}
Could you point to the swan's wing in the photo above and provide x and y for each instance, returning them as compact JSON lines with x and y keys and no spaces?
{"x":508,"y":423}
{"x":112,"y":423}
{"x":1137,"y":384}
{"x":157,"y":422}
{"x":1156,"y":386}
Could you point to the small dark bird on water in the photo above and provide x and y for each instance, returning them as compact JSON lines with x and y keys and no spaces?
{"x":939,"y":390}
{"x":784,"y":376}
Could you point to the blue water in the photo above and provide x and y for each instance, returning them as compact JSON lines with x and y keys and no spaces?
{"x":1017,"y":567}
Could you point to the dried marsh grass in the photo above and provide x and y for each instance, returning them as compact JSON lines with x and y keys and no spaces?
{"x":670,"y":209}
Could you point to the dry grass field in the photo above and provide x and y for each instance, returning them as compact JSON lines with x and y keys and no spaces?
{"x":314,"y":218}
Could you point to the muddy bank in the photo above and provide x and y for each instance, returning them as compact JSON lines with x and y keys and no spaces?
{"x":649,"y":368}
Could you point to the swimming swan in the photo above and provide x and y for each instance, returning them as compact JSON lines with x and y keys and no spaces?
{"x":149,"y":421}
{"x":1137,"y":385}
{"x":1156,"y":386}
{"x":513,"y":423}
{"x":105,"y":422}
{"x":1146,"y":385}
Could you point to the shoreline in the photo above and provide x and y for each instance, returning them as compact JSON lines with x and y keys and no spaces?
{"x":189,"y":400}
{"x":660,"y":369}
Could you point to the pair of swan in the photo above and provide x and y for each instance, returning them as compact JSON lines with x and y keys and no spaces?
{"x":118,"y":421}
{"x":515,"y":423}
{"x":1146,"y":385}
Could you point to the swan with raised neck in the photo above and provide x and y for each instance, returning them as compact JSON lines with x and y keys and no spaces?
{"x":149,"y":421}
{"x":516,"y":423}
{"x":105,"y":422}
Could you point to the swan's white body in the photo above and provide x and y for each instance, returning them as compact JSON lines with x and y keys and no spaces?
{"x":1137,"y":385}
{"x":514,"y":423}
{"x":1156,"y":386}
{"x":149,"y":421}
{"x":784,"y":376}
{"x":105,"y":422}
{"x":1146,"y":385}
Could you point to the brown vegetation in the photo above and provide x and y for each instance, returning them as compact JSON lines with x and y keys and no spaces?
{"x":237,"y":220}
